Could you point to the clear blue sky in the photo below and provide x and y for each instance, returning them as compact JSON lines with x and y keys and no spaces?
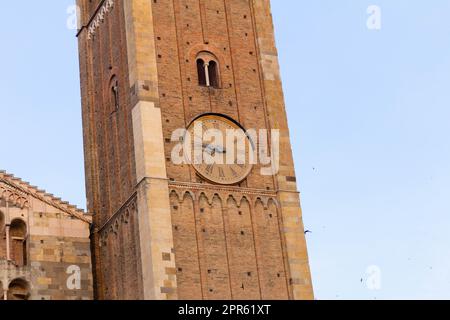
{"x":370,"y":125}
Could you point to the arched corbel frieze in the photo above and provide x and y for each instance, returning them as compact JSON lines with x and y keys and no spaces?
{"x":13,"y":198}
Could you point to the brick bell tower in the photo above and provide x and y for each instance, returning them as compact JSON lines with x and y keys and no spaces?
{"x":179,"y":231}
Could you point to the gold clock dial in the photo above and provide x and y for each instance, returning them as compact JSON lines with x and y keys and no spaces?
{"x":219,"y":150}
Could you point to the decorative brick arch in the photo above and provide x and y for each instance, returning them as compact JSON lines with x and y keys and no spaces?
{"x":215,"y":51}
{"x":14,"y":198}
{"x":19,"y":289}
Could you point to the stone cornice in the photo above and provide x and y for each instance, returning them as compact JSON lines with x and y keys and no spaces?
{"x":104,"y":7}
{"x":20,"y":191}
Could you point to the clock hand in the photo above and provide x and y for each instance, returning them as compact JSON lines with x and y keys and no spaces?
{"x":220,"y":149}
{"x":204,"y":145}
{"x":211,"y":148}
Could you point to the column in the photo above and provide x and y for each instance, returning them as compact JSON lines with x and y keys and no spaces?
{"x":8,"y":245}
{"x":208,"y":81}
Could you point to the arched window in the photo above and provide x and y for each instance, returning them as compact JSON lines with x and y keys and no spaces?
{"x":18,"y":289}
{"x":2,"y":238}
{"x":2,"y":222}
{"x":2,"y":294}
{"x":208,"y":70}
{"x":213,"y":74}
{"x":18,"y":242}
{"x":201,"y":72}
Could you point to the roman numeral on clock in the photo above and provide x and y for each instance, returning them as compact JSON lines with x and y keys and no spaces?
{"x":234,"y":173}
{"x":209,"y":168}
{"x":221,"y":173}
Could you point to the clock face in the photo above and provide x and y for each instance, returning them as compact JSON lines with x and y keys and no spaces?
{"x":219,"y":150}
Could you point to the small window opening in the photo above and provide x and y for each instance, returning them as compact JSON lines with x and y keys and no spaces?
{"x":208,"y":71}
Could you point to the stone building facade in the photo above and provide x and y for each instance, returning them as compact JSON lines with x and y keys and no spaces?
{"x":161,"y":230}
{"x":44,"y":245}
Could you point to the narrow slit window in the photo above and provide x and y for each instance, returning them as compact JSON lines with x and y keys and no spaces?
{"x":115,"y":96}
